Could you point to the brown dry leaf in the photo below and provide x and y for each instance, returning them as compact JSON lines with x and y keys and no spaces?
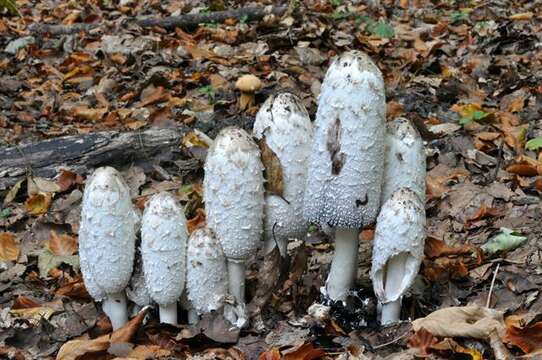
{"x":463,"y":321}
{"x":38,"y":204}
{"x":394,"y":109}
{"x":436,"y":248}
{"x":67,"y":179}
{"x":73,"y":349}
{"x":422,"y":340}
{"x":516,"y":104}
{"x":526,"y":337}
{"x":448,"y":346}
{"x":153,"y":95}
{"x":85,"y":113}
{"x":273,"y":354}
{"x":442,"y":259}
{"x":524,"y":166}
{"x":144,"y":352}
{"x":197,"y":221}
{"x":484,"y":212}
{"x":127,"y":332}
{"x":12,"y":193}
{"x":24,"y":302}
{"x":522,"y":16}
{"x":9,"y":250}
{"x":273,"y":169}
{"x":74,"y":289}
{"x":63,"y":244}
{"x":306,"y":351}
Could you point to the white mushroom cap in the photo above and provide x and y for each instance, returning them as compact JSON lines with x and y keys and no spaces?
{"x":206,"y":272}
{"x":400,"y":233}
{"x":107,"y":233}
{"x":163,"y":248}
{"x":137,"y":289}
{"x":346,"y":163}
{"x":233,"y":192}
{"x":405,"y":159}
{"x":284,"y":124}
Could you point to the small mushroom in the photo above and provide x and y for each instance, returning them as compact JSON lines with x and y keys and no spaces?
{"x":248,"y":85}
{"x":284,"y":128}
{"x":397,"y":250}
{"x":107,"y":241}
{"x":344,"y":178}
{"x":405,"y":159}
{"x":234,"y":200}
{"x":206,"y":273}
{"x":163,"y":249}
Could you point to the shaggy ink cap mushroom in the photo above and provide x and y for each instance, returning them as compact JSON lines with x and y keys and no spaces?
{"x":106,"y":241}
{"x":397,"y":250}
{"x":405,"y":164}
{"x":206,"y":272}
{"x":163,"y":249}
{"x":346,"y":163}
{"x":345,"y":170}
{"x":284,"y":125}
{"x":247,"y":85}
{"x":234,"y":200}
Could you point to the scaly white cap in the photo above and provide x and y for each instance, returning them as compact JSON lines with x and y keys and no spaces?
{"x":284,"y":125}
{"x":346,"y":164}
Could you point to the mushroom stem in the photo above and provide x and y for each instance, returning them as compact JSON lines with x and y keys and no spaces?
{"x":391,"y":312}
{"x":168,"y":313}
{"x":236,"y":279}
{"x":344,"y":266}
{"x":280,"y":242}
{"x":114,"y":305}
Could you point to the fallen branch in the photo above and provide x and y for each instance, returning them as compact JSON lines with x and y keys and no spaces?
{"x":250,"y":13}
{"x":83,"y":153}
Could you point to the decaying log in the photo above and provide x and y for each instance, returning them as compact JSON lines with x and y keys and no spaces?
{"x":83,"y":153}
{"x":170,"y":22}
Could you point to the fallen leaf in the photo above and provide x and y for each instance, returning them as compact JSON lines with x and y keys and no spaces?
{"x":67,"y":179}
{"x":306,"y":351}
{"x":88,"y":114}
{"x":422,"y":340}
{"x":484,"y":212}
{"x":74,"y":289}
{"x":526,"y":337}
{"x":12,"y":193}
{"x":153,"y":95}
{"x":24,"y":302}
{"x":436,"y":248}
{"x":197,"y":221}
{"x":37,"y":185}
{"x":506,"y":240}
{"x":48,"y":261}
{"x":522,"y":16}
{"x":63,"y":244}
{"x":273,"y":169}
{"x":73,"y":349}
{"x":463,"y":321}
{"x":38,"y":204}
{"x":273,"y":354}
{"x":9,"y":250}
{"x":144,"y":352}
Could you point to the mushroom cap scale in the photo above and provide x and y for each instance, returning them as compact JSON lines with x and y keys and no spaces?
{"x":346,"y":163}
{"x":284,"y":124}
{"x":400,"y":233}
{"x":405,"y":159}
{"x":206,"y":272}
{"x":248,"y":83}
{"x":163,"y":248}
{"x":107,"y":233}
{"x":233,"y":192}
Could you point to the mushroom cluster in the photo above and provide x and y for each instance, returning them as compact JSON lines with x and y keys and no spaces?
{"x":348,"y":172}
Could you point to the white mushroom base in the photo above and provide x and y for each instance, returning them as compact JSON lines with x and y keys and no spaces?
{"x":344,"y":266}
{"x":114,"y":306}
{"x":168,"y":313}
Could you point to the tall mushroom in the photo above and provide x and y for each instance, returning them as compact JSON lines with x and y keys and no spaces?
{"x":206,"y":272}
{"x":106,"y":241}
{"x":345,"y":166}
{"x":247,"y":85}
{"x":234,"y":199}
{"x":397,"y":250}
{"x":163,"y":249}
{"x":405,"y":159}
{"x":284,"y":132}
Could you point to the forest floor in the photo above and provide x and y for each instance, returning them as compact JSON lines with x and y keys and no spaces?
{"x":468,"y":74}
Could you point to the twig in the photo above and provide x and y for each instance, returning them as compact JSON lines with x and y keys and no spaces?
{"x":492,"y":284}
{"x":391,"y":342}
{"x":169,"y":22}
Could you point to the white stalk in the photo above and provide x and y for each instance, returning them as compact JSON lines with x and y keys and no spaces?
{"x":391,"y":312}
{"x":193,"y":317}
{"x":114,"y":305}
{"x":236,"y":283}
{"x":168,"y":313}
{"x":344,"y":266}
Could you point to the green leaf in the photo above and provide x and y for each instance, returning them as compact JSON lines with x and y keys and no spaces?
{"x":10,"y":5}
{"x":5,"y":213}
{"x":506,"y":240}
{"x":534,"y":144}
{"x":382,"y":29}
{"x":48,"y":261}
